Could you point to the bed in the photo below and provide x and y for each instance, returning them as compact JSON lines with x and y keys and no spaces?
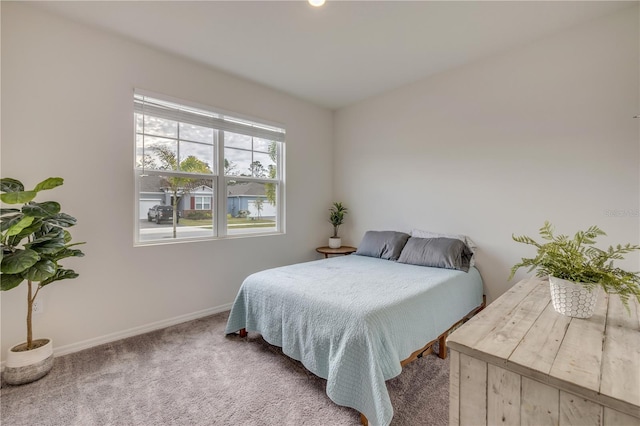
{"x":354,"y":320}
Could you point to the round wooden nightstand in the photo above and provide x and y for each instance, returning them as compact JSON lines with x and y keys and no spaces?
{"x":344,"y":250}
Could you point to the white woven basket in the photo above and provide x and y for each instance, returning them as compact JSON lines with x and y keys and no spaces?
{"x":571,"y":299}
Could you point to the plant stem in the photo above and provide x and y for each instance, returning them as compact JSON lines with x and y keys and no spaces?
{"x":29,"y":312}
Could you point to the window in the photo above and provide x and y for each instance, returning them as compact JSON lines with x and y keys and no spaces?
{"x":203,"y":174}
{"x":201,"y":203}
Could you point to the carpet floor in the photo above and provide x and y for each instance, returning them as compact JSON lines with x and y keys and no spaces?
{"x":192,"y":374}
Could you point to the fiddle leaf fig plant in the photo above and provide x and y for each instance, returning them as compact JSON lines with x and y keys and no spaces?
{"x":33,"y":240}
{"x":577,"y":259}
{"x":336,"y":216}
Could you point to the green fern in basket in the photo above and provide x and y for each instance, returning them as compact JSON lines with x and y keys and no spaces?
{"x":577,"y":259}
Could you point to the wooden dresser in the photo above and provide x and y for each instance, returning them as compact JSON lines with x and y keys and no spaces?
{"x":519,"y":362}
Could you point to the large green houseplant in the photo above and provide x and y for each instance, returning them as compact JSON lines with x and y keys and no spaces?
{"x":577,"y":260}
{"x":34,"y":240}
{"x":336,"y":217}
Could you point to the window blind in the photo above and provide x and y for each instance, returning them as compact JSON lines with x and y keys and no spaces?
{"x":146,"y":105}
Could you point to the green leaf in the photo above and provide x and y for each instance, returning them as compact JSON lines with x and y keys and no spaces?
{"x":61,"y":219}
{"x":45,"y":228}
{"x":46,"y":209}
{"x":49,"y":243}
{"x":42,"y":270}
{"x":53,"y":234}
{"x":14,"y":240}
{"x":48,"y":247}
{"x":74,"y":244}
{"x":8,"y":221}
{"x":49,"y":183}
{"x":7,"y":211}
{"x":66,"y":252}
{"x":9,"y":281}
{"x":18,"y":261}
{"x":11,"y":185}
{"x":18,"y":197}
{"x":18,"y":227}
{"x":61,"y":274}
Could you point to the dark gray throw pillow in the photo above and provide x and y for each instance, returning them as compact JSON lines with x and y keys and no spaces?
{"x":448,"y":253}
{"x":383,"y":244}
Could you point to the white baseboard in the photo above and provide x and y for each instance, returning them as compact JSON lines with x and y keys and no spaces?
{"x":112,"y":337}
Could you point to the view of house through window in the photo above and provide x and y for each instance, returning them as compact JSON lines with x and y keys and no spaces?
{"x":204,"y":174}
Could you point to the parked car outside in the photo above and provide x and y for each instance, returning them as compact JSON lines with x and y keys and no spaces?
{"x":160,"y":213}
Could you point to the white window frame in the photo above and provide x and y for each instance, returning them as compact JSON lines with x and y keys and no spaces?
{"x":202,"y":202}
{"x":219,"y":120}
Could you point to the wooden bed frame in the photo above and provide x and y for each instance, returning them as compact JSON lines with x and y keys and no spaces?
{"x":426,"y":349}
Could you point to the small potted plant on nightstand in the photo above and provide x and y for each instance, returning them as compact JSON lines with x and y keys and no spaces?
{"x":336,"y":217}
{"x":33,"y":241}
{"x":576,"y":270}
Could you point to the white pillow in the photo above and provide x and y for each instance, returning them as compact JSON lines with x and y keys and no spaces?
{"x":419,"y":233}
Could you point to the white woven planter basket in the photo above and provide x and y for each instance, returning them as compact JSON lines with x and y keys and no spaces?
{"x":571,"y":299}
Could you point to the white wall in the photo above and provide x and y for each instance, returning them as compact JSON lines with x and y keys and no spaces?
{"x":489,"y":149}
{"x":499,"y":146}
{"x":67,"y":111}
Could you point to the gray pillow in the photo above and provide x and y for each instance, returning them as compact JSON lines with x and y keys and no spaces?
{"x":448,"y":253}
{"x":383,"y":244}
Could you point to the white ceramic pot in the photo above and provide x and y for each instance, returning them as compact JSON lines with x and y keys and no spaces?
{"x":572,"y":299}
{"x":28,"y":366}
{"x":335,"y":242}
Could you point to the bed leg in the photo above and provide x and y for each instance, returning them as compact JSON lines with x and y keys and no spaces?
{"x":363,"y":420}
{"x":442,"y":346}
{"x":243,"y":332}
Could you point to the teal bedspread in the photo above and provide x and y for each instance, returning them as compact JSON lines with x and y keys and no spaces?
{"x":353,"y":319}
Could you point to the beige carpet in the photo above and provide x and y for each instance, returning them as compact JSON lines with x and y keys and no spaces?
{"x":192,"y":374}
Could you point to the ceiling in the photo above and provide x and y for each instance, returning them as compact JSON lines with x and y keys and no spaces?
{"x":342,"y":52}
